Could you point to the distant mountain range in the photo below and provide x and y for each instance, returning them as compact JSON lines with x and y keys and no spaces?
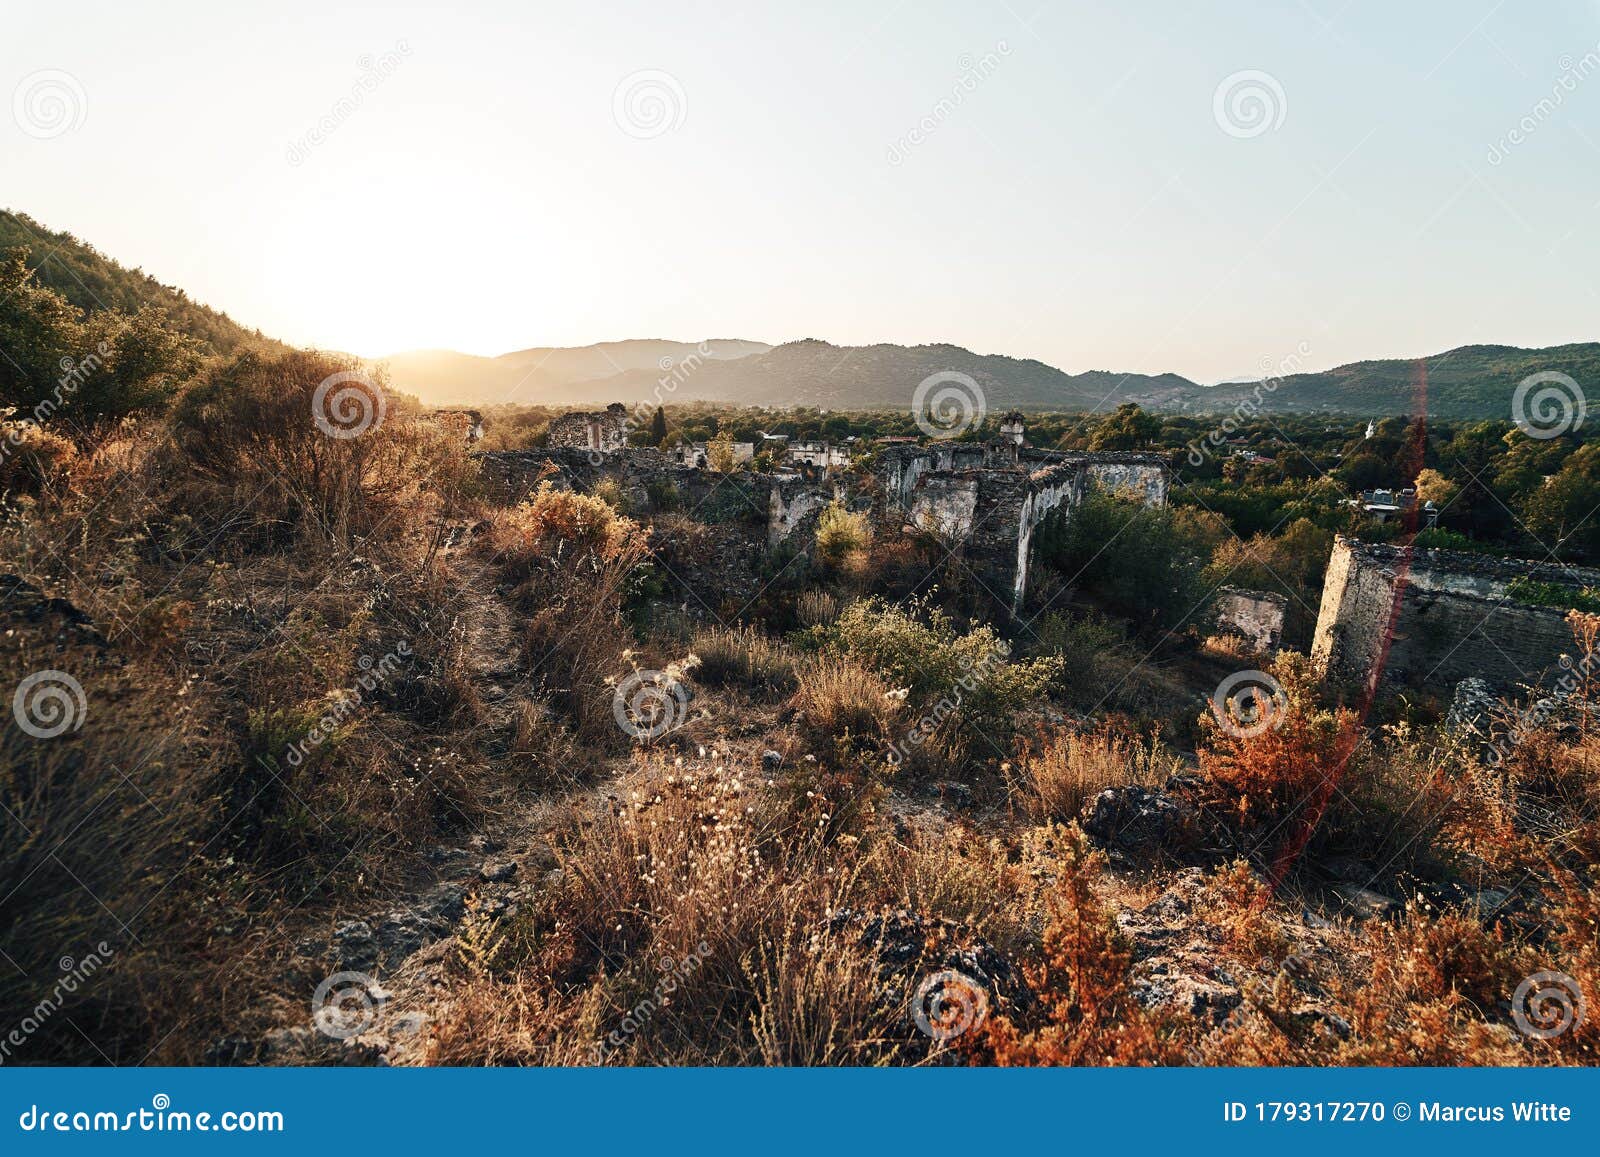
{"x":1470,"y":382}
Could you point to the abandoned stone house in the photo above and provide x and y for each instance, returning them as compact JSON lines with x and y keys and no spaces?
{"x":605,"y":430}
{"x":698,"y":453}
{"x":1255,"y":617}
{"x":986,"y":499}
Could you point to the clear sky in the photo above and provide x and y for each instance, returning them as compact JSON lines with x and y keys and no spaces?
{"x":1062,"y":181}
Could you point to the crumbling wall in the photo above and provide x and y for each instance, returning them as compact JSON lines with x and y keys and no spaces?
{"x":1427,"y":619}
{"x":792,"y":504}
{"x":979,"y":497}
{"x":945,"y":505}
{"x":1254,"y":616}
{"x":597,"y":430}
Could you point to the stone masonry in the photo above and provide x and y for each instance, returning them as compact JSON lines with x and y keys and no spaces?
{"x":986,"y":500}
{"x":1426,"y":619}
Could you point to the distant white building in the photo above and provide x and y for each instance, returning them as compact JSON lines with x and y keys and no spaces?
{"x":823,"y":454}
{"x":699,"y":453}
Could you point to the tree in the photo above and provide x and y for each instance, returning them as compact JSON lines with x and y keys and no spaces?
{"x":103,"y":365}
{"x":1129,"y":428}
{"x":658,"y":427}
{"x":719,"y":452}
{"x":1434,"y":487}
{"x":1141,"y":562}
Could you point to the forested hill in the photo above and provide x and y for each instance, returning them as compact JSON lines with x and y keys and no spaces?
{"x":1475,"y":381}
{"x":92,"y":281}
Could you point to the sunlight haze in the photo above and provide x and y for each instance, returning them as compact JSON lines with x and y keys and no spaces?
{"x":1075,"y":200}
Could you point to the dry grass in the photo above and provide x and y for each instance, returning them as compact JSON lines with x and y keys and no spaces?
{"x":1066,"y":769}
{"x":744,"y":656}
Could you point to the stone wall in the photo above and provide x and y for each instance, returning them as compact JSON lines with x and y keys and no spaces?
{"x":1426,"y":619}
{"x":982,"y":499}
{"x":597,"y":430}
{"x":1254,"y":616}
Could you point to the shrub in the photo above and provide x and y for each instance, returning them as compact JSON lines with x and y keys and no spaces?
{"x":1286,"y":761}
{"x":571,"y":560}
{"x":1141,"y":562}
{"x":843,"y":537}
{"x":1066,"y":769}
{"x":970,"y":678}
{"x":89,"y":367}
{"x":285,"y":447}
{"x":816,"y":608}
{"x":841,"y":698}
{"x":742,"y":655}
{"x":32,"y":457}
{"x":1090,"y":1015}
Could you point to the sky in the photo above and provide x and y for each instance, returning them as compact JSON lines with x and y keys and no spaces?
{"x":1196,"y":187}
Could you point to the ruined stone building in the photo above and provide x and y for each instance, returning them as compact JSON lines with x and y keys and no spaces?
{"x":466,"y":423}
{"x":1426,"y":619}
{"x":987,"y":500}
{"x":1256,"y":617}
{"x":699,"y":453}
{"x":605,"y":430}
